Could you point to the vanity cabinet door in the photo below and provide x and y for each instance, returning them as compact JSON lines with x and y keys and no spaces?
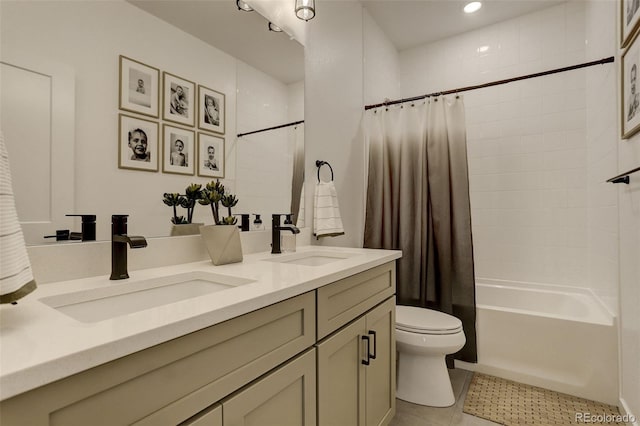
{"x":285,"y":397}
{"x":357,"y":371}
{"x":381,"y":372}
{"x":341,"y":381}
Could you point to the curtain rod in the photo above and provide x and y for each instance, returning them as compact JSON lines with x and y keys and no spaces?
{"x":623,"y":177}
{"x":494,"y":83}
{"x":271,"y":128}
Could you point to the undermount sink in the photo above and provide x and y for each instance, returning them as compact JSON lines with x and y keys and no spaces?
{"x":120,"y":299}
{"x":311,"y":258}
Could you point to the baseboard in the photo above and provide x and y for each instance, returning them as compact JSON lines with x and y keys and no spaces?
{"x":463,"y":365}
{"x":627,"y":412}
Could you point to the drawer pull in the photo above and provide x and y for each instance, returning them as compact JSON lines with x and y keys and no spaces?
{"x":375,"y":344}
{"x":367,"y":361}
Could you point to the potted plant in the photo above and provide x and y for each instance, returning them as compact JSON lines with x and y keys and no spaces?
{"x":213,"y":195}
{"x":223,"y":242}
{"x":183,"y":225}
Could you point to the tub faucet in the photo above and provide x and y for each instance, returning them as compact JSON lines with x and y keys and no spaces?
{"x":119,"y":241}
{"x":275,"y":232}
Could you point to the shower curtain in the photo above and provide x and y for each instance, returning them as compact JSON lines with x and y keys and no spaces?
{"x":418,"y":202}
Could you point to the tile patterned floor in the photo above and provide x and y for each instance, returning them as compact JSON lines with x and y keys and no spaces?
{"x":408,"y":414}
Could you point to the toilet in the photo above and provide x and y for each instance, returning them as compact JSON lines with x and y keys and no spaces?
{"x":423,"y":338}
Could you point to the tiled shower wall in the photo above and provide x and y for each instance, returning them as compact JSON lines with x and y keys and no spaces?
{"x":527,"y":142}
{"x":602,"y":151}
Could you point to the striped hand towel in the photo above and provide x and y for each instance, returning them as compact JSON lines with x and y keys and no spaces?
{"x":326,"y":213}
{"x":16,"y":278}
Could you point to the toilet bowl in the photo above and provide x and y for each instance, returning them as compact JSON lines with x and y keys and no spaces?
{"x":423,"y":338}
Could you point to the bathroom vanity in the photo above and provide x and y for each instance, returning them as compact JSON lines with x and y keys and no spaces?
{"x":297,"y":339}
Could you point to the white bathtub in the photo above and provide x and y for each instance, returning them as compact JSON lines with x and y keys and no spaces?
{"x":559,"y":338}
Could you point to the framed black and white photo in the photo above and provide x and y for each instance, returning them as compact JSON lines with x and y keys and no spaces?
{"x":210,"y":156}
{"x":630,"y":86}
{"x":178,"y":150}
{"x":629,"y":20}
{"x":138,"y":144}
{"x":139,"y":87}
{"x":179,"y":96}
{"x":211,"y":110}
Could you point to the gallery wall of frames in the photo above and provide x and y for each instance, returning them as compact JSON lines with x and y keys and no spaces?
{"x":169,"y":123}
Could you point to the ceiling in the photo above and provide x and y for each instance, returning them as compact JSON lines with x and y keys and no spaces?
{"x":412,"y":23}
{"x":244,"y":35}
{"x":407,"y":23}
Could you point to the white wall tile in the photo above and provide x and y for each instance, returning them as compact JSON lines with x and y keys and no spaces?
{"x":527,"y":141}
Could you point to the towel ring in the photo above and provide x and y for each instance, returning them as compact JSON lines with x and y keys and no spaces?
{"x":319,"y":164}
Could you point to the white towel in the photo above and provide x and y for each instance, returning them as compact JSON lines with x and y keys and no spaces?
{"x":326,"y":213}
{"x":16,"y":277}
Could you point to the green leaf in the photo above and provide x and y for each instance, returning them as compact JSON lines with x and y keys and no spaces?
{"x":229,"y":200}
{"x":230,"y":220}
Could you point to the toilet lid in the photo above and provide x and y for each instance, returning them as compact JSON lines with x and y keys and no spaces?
{"x":426,"y":321}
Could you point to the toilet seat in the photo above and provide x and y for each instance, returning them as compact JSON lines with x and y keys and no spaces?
{"x":426,"y":321}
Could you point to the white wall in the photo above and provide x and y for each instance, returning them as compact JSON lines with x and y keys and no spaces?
{"x":88,"y":37}
{"x":602,"y":152}
{"x":527,"y":143}
{"x":629,"y":157}
{"x":264,"y":174}
{"x":381,"y":64}
{"x":599,"y":15}
{"x":333,"y":108}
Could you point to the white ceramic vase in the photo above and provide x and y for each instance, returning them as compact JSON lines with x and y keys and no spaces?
{"x":223,"y":243}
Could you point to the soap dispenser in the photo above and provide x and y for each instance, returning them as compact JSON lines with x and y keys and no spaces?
{"x":288,"y":239}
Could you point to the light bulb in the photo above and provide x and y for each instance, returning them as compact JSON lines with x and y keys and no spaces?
{"x":305,"y":9}
{"x":474,"y":6}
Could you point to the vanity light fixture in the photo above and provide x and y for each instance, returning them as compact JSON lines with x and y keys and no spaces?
{"x":305,"y":9}
{"x":243,"y":5}
{"x":274,"y":28}
{"x":474,"y":6}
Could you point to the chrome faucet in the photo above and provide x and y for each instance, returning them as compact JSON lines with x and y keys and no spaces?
{"x":119,"y":241}
{"x":275,"y":232}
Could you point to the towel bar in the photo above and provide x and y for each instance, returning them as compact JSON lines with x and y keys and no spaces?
{"x":623,"y":177}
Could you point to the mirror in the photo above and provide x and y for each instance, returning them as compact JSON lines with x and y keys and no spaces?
{"x":212,"y":44}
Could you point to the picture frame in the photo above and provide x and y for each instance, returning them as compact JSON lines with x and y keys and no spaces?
{"x":178,"y":99}
{"x":139,"y":87}
{"x":211,"y":110}
{"x":630,"y":89}
{"x":211,"y":155}
{"x":132,"y":133}
{"x":629,"y":20}
{"x":178,"y":156}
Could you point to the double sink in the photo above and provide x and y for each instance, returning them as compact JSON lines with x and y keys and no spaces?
{"x":100,"y":304}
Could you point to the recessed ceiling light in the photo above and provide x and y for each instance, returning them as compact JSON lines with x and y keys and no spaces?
{"x":242,"y":5}
{"x":274,"y":28}
{"x":474,"y":6}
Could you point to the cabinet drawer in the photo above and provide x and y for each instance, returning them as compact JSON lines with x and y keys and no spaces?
{"x":344,"y":300}
{"x":210,"y":417}
{"x":285,"y":397}
{"x":168,"y":383}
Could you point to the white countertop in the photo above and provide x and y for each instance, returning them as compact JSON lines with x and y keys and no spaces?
{"x":39,"y":345}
